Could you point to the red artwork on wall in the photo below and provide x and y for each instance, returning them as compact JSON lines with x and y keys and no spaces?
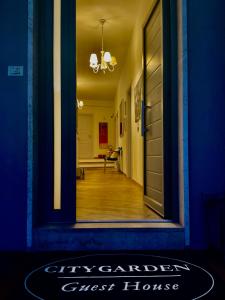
{"x":103,"y":135}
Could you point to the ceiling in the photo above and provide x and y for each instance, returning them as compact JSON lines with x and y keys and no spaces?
{"x":120,"y":20}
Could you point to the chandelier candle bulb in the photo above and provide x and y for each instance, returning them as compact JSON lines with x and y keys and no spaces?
{"x":93,"y":59}
{"x":107,"y":57}
{"x":113,"y":61}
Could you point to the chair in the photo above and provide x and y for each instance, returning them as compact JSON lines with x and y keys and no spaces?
{"x":113,"y":155}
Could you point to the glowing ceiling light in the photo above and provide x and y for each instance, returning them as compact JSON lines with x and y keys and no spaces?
{"x":107,"y":61}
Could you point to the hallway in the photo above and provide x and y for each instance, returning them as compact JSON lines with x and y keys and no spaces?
{"x":110,"y":196}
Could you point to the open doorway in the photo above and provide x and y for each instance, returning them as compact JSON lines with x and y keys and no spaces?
{"x":120,"y":168}
{"x":143,"y":87}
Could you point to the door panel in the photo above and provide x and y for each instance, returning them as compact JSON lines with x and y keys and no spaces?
{"x":161,"y":110}
{"x":155,"y":42}
{"x":154,"y":114}
{"x":154,"y":96}
{"x":154,"y":164}
{"x":154,"y":194}
{"x":155,"y":59}
{"x":153,"y":148}
{"x":44,"y":111}
{"x":45,"y":114}
{"x":155,"y":23}
{"x":154,"y":131}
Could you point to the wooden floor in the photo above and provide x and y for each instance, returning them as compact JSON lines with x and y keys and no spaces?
{"x":110,"y":196}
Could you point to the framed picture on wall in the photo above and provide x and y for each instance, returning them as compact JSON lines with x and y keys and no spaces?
{"x":103,"y":135}
{"x":138,"y":97}
{"x":122,"y":117}
{"x":125,"y":116}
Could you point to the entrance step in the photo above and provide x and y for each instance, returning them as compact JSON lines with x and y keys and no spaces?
{"x":109,"y":236}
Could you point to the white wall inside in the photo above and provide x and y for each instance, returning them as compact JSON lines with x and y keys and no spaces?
{"x":130,"y":74}
{"x":102,"y":111}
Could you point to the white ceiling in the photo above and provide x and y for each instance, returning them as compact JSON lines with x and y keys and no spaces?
{"x":120,"y":18}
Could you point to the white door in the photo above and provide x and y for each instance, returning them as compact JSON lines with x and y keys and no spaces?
{"x":85,"y":142}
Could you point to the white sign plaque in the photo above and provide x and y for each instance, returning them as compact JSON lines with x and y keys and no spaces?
{"x":15,"y":71}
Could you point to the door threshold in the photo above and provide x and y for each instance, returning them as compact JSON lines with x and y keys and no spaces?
{"x":111,"y":224}
{"x":127,"y":224}
{"x":147,"y":221}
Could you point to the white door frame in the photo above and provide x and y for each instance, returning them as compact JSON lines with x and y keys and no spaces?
{"x":92,"y":142}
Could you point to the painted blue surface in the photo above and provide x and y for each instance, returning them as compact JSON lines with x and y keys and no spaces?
{"x":206,"y":59}
{"x":206,"y":32}
{"x":13,"y":128}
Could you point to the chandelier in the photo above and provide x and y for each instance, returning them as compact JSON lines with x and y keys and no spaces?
{"x":108,"y":62}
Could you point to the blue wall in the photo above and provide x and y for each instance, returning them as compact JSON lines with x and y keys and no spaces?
{"x":13,"y":128}
{"x":206,"y":31}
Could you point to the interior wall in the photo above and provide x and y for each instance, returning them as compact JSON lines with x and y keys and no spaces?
{"x":102,"y":111}
{"x":131,"y":71}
